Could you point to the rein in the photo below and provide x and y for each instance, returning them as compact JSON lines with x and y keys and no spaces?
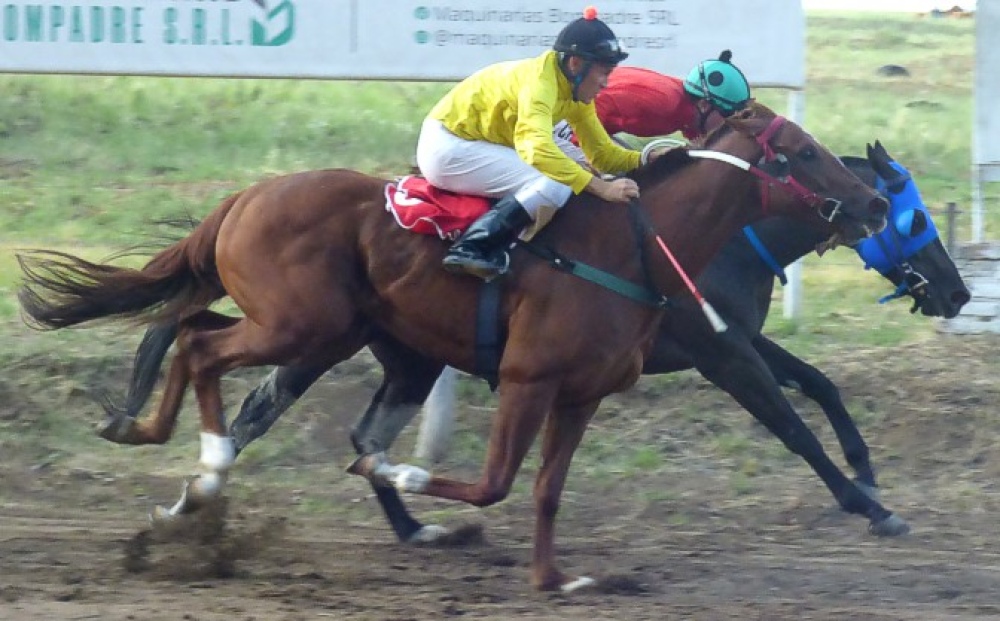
{"x":765,"y":254}
{"x":647,"y":294}
{"x":784,"y":181}
{"x":644,"y":294}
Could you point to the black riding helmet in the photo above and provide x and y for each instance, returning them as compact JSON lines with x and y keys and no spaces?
{"x":590,"y":39}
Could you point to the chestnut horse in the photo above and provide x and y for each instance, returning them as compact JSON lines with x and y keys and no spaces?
{"x":320,"y":271}
{"x":749,"y":366}
{"x":742,"y":361}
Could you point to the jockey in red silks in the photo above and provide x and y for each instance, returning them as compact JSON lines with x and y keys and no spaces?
{"x":645,"y":103}
{"x":492,"y":135}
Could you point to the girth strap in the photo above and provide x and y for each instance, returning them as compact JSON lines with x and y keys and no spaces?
{"x":489,"y":340}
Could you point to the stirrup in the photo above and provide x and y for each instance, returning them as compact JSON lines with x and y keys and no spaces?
{"x":473,"y":266}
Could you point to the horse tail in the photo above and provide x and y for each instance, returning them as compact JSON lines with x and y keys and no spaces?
{"x":438,"y":422}
{"x":62,"y":290}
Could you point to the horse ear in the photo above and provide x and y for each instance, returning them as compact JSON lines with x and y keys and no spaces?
{"x":882,"y":151}
{"x":879,"y":160}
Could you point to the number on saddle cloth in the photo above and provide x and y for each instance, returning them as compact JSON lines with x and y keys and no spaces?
{"x":418,"y":206}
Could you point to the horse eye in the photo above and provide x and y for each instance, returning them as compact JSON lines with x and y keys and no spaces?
{"x":807,"y":153}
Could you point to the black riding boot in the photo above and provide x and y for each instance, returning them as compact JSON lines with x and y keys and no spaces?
{"x":481,"y":250}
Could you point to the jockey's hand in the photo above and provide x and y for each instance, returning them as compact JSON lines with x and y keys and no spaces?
{"x":620,"y":190}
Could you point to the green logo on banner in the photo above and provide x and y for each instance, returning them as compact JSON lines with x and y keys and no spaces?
{"x":276,"y":26}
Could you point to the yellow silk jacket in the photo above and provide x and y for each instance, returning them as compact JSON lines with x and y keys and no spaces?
{"x":517,"y":103}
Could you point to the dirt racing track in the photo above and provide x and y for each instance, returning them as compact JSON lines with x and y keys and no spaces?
{"x":75,"y":544}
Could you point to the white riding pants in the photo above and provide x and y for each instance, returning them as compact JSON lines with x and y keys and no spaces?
{"x":486,"y":169}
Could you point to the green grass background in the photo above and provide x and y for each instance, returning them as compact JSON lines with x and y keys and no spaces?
{"x":86,"y":163}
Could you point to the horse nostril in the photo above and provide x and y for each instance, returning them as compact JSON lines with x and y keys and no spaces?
{"x":879,"y":207}
{"x":960,"y":298}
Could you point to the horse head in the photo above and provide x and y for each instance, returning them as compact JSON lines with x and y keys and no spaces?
{"x":803,"y":179}
{"x":909,"y":251}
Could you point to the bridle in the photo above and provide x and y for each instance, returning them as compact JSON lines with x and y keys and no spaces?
{"x":772,"y":161}
{"x":893,"y":249}
{"x":772,"y":170}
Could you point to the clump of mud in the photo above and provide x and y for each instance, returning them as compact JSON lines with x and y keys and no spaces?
{"x":202,"y":545}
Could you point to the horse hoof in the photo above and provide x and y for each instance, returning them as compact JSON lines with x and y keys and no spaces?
{"x":118,"y":429}
{"x":869,"y":490}
{"x":582,"y":582}
{"x":366,"y":464}
{"x":161,"y":515}
{"x":429,"y":534}
{"x":892,"y":526}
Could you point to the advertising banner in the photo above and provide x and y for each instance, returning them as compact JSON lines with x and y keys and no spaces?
{"x":383,"y":39}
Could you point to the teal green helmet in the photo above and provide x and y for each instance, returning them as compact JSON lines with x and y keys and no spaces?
{"x":720,"y":82}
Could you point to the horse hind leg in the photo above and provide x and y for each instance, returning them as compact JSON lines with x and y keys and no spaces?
{"x":207,"y":355}
{"x":158,"y":428}
{"x":123,"y":425}
{"x":218,"y":451}
{"x":270,"y":399}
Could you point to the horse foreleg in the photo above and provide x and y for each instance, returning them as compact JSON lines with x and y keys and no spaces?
{"x":522,"y":410}
{"x":409,"y":377}
{"x":795,"y":373}
{"x":438,"y":418}
{"x":744,"y":375}
{"x":565,"y":429}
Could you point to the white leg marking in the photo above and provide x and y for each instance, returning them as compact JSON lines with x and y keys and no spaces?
{"x":217,"y":452}
{"x":217,"y":455}
{"x":409,"y":478}
{"x":404,"y":477}
{"x":428,"y":534}
{"x":580,"y":583}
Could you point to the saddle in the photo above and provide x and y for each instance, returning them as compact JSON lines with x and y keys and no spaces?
{"x":418,"y":206}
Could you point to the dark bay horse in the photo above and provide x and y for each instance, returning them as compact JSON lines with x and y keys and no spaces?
{"x":751,"y":367}
{"x":742,"y":361}
{"x":320,"y":271}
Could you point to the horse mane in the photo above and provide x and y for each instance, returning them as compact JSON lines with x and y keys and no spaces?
{"x":745,"y":120}
{"x":673,"y":160}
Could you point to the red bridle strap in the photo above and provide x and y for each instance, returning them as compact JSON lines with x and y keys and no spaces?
{"x":789,"y":184}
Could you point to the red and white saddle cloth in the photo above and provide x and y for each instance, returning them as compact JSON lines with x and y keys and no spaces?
{"x":420,"y":207}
